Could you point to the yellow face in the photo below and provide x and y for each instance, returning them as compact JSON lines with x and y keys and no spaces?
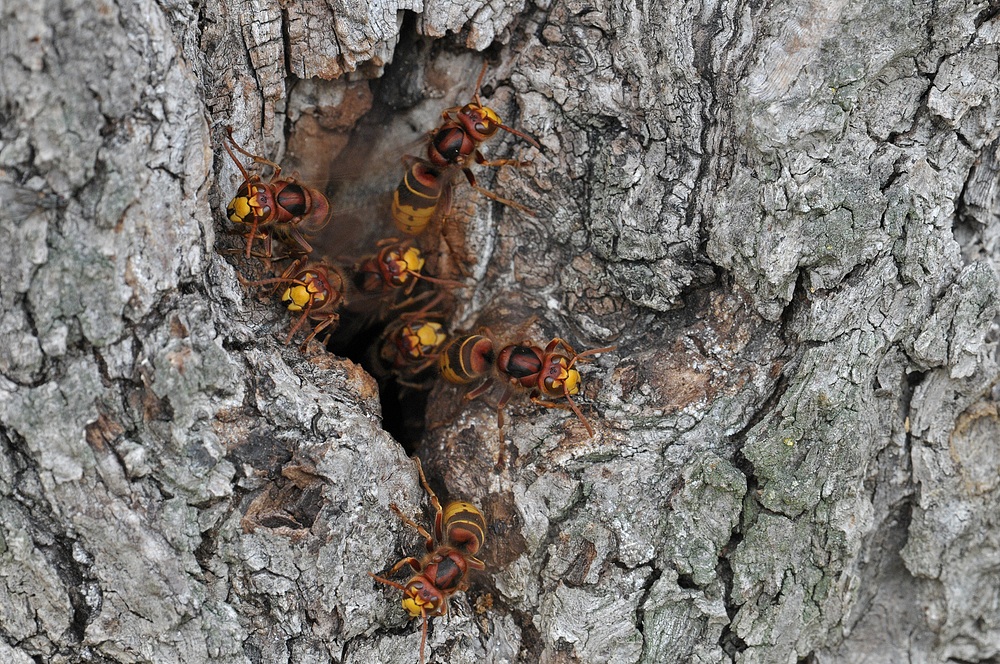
{"x":422,"y":340}
{"x":248,"y":205}
{"x":490,"y":118}
{"x":239,"y":209}
{"x":418,"y":601}
{"x":412,"y":606}
{"x":402,"y":265}
{"x":413,"y":260}
{"x":573,"y":381}
{"x":558,"y":376}
{"x":486,"y":120}
{"x":431,"y":335}
{"x":302,"y":295}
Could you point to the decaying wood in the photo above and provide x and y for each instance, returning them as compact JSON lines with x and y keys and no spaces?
{"x":785,"y":216}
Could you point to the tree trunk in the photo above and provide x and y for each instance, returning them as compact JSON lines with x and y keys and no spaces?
{"x":785,"y":217}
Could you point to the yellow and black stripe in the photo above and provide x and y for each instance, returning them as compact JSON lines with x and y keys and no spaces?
{"x":464,"y":527}
{"x":415,"y":201}
{"x":467,"y":358}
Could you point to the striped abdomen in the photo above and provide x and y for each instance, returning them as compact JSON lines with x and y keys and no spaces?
{"x":467,"y":358}
{"x":464,"y":527}
{"x":415,"y":200}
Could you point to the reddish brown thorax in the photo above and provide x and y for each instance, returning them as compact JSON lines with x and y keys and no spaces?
{"x":520,"y":364}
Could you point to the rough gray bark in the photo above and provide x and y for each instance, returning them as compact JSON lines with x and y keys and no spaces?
{"x":785,"y":216}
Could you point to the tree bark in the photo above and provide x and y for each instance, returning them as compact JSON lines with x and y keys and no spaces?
{"x":785,"y":216}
